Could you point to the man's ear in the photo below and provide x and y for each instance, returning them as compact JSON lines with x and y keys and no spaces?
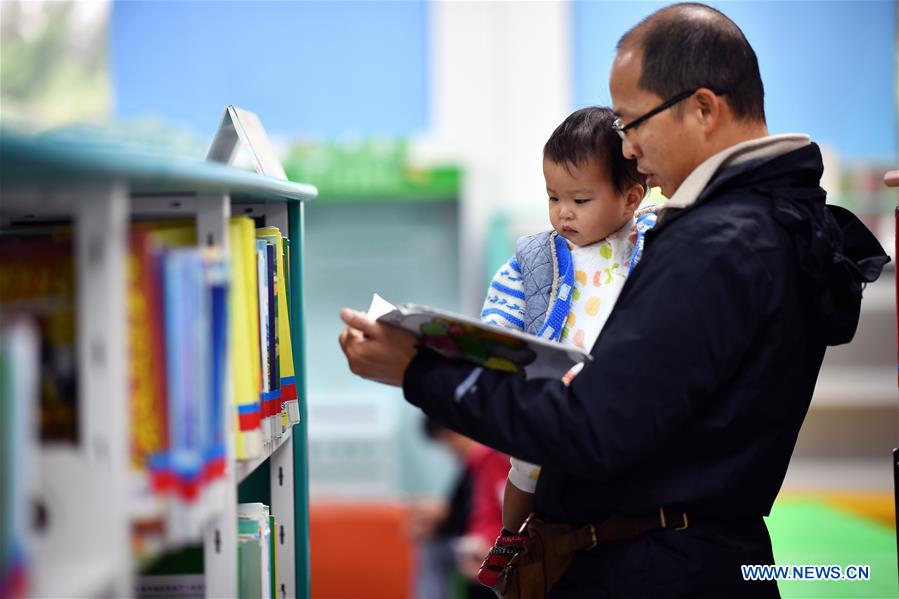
{"x":633,"y":196}
{"x":708,"y":107}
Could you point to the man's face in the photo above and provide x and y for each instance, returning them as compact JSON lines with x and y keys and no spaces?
{"x":667,"y":145}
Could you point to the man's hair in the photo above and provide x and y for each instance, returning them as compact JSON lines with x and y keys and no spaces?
{"x":690,"y":45}
{"x":588,"y":133}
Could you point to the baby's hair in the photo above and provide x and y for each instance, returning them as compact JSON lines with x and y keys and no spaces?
{"x":588,"y":133}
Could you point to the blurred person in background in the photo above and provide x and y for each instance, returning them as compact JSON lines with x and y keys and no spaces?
{"x":454,"y":534}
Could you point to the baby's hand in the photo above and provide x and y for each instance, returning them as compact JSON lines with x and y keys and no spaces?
{"x":569,"y":376}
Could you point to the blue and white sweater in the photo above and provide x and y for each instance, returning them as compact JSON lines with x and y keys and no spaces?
{"x":531,"y":292}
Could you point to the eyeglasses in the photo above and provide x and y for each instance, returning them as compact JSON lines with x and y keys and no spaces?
{"x":621,"y":129}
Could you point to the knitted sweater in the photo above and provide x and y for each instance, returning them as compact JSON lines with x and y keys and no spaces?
{"x":531,"y":292}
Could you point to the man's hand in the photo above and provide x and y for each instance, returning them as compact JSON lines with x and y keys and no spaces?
{"x":376,"y":351}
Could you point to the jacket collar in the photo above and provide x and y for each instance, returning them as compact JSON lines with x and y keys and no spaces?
{"x":745,"y":155}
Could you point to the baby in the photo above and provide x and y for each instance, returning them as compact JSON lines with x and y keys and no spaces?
{"x":562,"y":284}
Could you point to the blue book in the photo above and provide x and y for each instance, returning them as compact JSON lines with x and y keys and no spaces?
{"x":273,"y":348}
{"x":188,"y":364}
{"x":216,"y":271}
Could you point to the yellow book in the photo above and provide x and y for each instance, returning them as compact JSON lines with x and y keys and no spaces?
{"x":244,"y":318}
{"x":291,"y":413}
{"x":170,"y":233}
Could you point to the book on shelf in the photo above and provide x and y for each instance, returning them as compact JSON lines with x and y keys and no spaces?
{"x":187,"y":360}
{"x":245,"y":311}
{"x":275,"y":402}
{"x":290,"y":413}
{"x":489,"y":346}
{"x":177,"y":573}
{"x":268,"y":323}
{"x":201,"y":326}
{"x":19,"y":372}
{"x":273,"y":553}
{"x":241,"y":129}
{"x":246,"y":375}
{"x":195,"y":282}
{"x":146,"y":353}
{"x":37,"y":278}
{"x":265,"y":332}
{"x":257,"y":573}
{"x":180,"y":573}
{"x":217,"y":289}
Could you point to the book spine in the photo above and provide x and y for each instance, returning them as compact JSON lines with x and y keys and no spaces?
{"x":245,"y":380}
{"x":216,"y":271}
{"x":264,"y":334}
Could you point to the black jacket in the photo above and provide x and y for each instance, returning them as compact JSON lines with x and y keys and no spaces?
{"x":703,"y":373}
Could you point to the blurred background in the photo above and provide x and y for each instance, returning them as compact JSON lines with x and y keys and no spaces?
{"x":422,"y":124}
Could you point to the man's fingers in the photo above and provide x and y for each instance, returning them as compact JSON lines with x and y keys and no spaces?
{"x":359,"y":321}
{"x":348,"y":335}
{"x":343,"y":338}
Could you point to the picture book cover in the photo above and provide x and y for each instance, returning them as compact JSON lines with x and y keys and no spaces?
{"x":464,"y":338}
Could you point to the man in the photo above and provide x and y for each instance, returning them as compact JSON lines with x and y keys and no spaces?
{"x":681,"y":428}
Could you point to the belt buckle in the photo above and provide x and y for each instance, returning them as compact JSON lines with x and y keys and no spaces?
{"x":662,"y":519}
{"x":593,"y":537}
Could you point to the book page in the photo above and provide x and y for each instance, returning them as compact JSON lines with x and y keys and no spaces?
{"x":379,"y":307}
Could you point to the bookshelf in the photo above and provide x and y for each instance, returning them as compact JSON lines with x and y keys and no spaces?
{"x":86,"y":490}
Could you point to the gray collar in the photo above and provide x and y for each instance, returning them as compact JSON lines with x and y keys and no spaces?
{"x":747,"y":154}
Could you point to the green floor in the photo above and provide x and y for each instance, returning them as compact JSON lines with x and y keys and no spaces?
{"x":812,"y":532}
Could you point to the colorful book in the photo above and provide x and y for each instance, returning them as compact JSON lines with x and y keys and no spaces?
{"x":146,"y":353}
{"x":277,"y":402}
{"x":273,"y":554}
{"x":19,"y":375}
{"x":217,"y":288}
{"x":254,"y":551}
{"x":188,"y":363}
{"x":246,"y":380}
{"x":264,"y":335}
{"x":463,"y":338}
{"x":37,"y":278}
{"x":288,"y":379}
{"x":150,"y":240}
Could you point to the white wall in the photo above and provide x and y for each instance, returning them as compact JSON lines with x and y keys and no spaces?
{"x":500,"y":84}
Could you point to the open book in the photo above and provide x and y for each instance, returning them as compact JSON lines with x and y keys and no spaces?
{"x":487,"y":345}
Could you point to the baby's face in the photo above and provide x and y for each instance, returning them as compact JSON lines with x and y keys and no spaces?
{"x":584,"y":206}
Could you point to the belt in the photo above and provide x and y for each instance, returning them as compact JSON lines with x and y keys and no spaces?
{"x":621,"y":526}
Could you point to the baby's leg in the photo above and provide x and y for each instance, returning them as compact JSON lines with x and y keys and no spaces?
{"x":517,"y":506}
{"x":518,"y":503}
{"x":518,"y":499}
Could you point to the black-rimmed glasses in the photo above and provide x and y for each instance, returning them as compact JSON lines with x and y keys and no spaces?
{"x":621,"y":129}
